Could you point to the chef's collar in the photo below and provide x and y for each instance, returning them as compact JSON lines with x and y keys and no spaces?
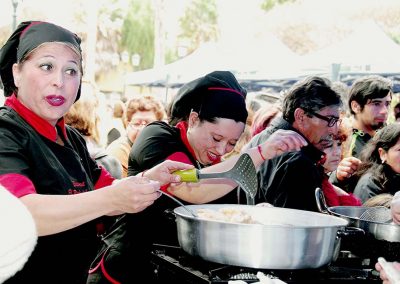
{"x":39,"y":124}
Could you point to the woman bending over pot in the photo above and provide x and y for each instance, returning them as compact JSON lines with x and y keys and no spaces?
{"x":207,"y":118}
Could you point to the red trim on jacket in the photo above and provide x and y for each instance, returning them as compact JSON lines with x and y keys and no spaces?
{"x":103,"y":269}
{"x":17,"y":184}
{"x":39,"y":124}
{"x":226,"y":89}
{"x":105,"y":178}
{"x":182,"y":126}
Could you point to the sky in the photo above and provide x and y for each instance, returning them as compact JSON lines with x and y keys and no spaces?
{"x":240,"y":21}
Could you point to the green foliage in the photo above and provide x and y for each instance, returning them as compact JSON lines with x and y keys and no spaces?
{"x":138,"y":32}
{"x":268,"y":5}
{"x":199,"y":23}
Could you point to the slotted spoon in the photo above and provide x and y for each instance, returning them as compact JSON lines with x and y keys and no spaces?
{"x":243,"y":172}
{"x":379,"y":214}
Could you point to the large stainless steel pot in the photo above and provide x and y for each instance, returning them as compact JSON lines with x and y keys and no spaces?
{"x":381,"y":231}
{"x":285,"y":239}
{"x":380,"y":239}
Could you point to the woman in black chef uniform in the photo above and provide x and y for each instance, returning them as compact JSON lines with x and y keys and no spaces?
{"x":208,"y":115}
{"x":46,"y":164}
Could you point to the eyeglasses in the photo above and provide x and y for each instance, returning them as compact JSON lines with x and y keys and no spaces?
{"x":332,"y":120}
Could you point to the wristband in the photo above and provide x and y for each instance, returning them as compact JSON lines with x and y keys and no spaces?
{"x":259,"y":151}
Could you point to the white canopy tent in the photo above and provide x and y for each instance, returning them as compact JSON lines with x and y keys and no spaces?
{"x":262,"y":57}
{"x":368,"y":48}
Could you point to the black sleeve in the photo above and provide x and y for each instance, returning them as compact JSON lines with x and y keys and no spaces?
{"x":367,"y":187}
{"x":290,"y":181}
{"x":153,"y":145}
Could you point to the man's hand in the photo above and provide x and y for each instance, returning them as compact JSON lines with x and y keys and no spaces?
{"x":347,"y":167}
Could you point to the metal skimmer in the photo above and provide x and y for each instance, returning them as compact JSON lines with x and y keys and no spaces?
{"x":243,"y":172}
{"x":379,"y":214}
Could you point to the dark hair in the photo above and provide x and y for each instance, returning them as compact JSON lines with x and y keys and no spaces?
{"x":368,"y":88}
{"x":385,"y":138}
{"x":313,"y":93}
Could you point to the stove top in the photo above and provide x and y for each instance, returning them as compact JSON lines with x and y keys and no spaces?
{"x":173,"y":264}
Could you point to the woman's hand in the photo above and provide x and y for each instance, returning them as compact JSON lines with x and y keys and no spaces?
{"x":395,"y":208}
{"x":133,"y":194}
{"x":282,"y":141}
{"x":347,"y":168}
{"x":163,"y":172}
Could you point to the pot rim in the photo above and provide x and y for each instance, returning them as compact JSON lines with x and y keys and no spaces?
{"x":340,"y":222}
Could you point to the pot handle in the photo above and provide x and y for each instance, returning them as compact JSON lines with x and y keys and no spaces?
{"x":321,"y":202}
{"x":350,"y":232}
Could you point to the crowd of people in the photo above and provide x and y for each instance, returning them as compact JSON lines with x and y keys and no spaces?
{"x":70,"y":186}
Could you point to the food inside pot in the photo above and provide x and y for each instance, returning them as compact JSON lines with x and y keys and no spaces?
{"x":226,"y":214}
{"x":235,"y":215}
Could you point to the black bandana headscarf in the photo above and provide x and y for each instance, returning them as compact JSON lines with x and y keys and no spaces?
{"x":26,"y":38}
{"x":216,"y":95}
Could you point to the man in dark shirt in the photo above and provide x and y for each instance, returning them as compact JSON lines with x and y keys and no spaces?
{"x":369,"y":102}
{"x":311,"y":107}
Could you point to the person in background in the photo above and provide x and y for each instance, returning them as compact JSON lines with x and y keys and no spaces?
{"x":369,"y":102}
{"x":84,"y":117}
{"x":18,"y":237}
{"x":334,"y":195}
{"x":244,"y":138}
{"x":382,"y":199}
{"x":139,"y":112}
{"x":117,"y":122}
{"x":263,"y":117}
{"x":343,"y":90}
{"x":396,"y":112}
{"x":311,"y":108}
{"x":380,"y":170}
{"x":46,"y":164}
{"x":207,"y":118}
{"x":395,"y":208}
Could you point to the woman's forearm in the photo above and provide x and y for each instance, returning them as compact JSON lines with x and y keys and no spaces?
{"x":57,"y":213}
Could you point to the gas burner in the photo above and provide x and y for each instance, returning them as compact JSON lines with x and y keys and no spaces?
{"x":174,"y":263}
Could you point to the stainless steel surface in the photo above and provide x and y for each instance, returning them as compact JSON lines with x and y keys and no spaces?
{"x":178,"y":202}
{"x":244,"y":173}
{"x":285,"y":239}
{"x":381,"y":231}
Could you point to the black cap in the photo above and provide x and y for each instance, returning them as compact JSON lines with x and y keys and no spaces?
{"x":26,"y":38}
{"x":216,"y":95}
